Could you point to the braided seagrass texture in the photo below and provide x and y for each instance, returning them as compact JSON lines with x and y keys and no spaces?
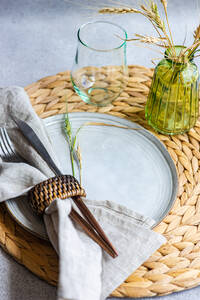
{"x":176,"y":265}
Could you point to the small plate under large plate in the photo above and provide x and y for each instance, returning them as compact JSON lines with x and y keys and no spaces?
{"x":130,"y":167}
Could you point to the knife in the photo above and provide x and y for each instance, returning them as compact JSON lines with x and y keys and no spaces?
{"x":36,"y":143}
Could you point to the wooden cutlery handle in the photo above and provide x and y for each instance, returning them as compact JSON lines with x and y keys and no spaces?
{"x":91,"y":233}
{"x":92,"y":221}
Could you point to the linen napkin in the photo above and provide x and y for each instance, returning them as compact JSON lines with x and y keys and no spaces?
{"x":86,"y":271}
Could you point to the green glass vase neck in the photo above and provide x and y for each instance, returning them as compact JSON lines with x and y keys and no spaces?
{"x":176,"y":50}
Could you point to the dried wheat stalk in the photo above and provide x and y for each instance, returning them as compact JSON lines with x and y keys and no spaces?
{"x":148,"y":39}
{"x":164,"y":39}
{"x":197,"y":34}
{"x":117,"y":10}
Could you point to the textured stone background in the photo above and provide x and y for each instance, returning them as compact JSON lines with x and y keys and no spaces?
{"x":38,"y":39}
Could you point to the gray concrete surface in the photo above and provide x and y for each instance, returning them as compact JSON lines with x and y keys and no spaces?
{"x":38,"y":39}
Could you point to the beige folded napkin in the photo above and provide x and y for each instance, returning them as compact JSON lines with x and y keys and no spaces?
{"x":86,"y":271}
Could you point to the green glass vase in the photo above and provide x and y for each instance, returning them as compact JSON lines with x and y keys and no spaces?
{"x":172,"y":105}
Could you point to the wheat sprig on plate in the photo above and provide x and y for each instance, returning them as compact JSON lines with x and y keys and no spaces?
{"x":72,"y":142}
{"x":79,"y":157}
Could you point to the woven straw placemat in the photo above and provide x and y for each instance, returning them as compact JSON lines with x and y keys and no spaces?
{"x":176,"y":265}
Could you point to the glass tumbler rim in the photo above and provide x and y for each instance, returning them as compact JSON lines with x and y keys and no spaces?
{"x":101,"y":50}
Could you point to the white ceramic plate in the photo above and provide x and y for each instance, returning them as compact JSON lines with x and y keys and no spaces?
{"x":130,"y":167}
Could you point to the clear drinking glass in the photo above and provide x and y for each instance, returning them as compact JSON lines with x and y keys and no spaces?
{"x":99,"y":73}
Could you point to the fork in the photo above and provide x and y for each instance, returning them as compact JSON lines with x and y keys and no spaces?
{"x":7,"y":151}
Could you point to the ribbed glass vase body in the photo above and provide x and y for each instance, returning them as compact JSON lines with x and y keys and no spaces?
{"x":172,"y":105}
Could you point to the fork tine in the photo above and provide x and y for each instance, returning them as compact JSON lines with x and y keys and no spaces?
{"x":9,"y":143}
{"x":4,"y":146}
{"x":7,"y":151}
{"x":2,"y":150}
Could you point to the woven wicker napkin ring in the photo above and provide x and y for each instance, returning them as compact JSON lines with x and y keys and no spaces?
{"x":62,"y":187}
